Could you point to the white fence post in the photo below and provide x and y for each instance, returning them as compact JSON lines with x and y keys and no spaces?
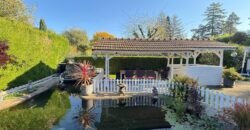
{"x":221,"y":95}
{"x":216,"y":100}
{"x":233,"y":101}
{"x":207,"y":96}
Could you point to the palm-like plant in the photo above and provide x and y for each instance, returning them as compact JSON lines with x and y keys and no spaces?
{"x":83,"y":73}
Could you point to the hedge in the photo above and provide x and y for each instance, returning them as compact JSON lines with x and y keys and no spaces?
{"x":36,"y":53}
{"x":128,"y":63}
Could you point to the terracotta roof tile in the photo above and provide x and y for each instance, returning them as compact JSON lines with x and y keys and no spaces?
{"x":152,"y":45}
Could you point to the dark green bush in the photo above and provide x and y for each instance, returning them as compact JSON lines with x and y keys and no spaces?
{"x":36,"y":53}
{"x":230,"y":61}
{"x":232,"y":74}
{"x":239,"y":37}
{"x":247,"y":42}
{"x":128,"y":63}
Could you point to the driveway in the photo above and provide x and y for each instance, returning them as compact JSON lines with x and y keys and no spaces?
{"x":241,"y":89}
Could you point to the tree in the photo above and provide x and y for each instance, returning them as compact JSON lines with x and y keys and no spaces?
{"x":231,"y":22}
{"x":15,"y":10}
{"x":145,"y":28}
{"x":176,"y":28}
{"x":99,"y":35}
{"x":4,"y":57}
{"x":161,"y":27}
{"x":77,"y":38}
{"x":215,"y":18}
{"x":163,"y":23}
{"x":42,"y":25}
{"x":200,"y":32}
{"x":169,"y":27}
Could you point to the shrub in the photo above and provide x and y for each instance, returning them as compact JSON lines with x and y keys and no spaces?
{"x":224,"y":38}
{"x":194,"y":101}
{"x":241,"y":115}
{"x":239,"y":37}
{"x":36,"y":53}
{"x":247,"y":42}
{"x":232,"y":74}
{"x":230,"y":61}
{"x":186,"y":80}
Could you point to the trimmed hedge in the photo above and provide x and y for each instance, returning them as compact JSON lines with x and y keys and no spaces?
{"x":129,"y":63}
{"x":36,"y":53}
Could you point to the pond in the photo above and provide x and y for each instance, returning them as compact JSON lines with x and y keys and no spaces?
{"x":136,"y":112}
{"x":66,"y":110}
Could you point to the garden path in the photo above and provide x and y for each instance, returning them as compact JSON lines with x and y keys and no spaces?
{"x":241,"y":90}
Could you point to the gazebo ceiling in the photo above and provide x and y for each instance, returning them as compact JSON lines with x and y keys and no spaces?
{"x":151,"y":47}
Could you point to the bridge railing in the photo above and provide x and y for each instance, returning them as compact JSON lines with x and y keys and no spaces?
{"x":25,"y":87}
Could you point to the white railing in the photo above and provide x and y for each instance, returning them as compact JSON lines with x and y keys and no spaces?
{"x":133,"y":86}
{"x":212,"y":98}
{"x":24,"y":87}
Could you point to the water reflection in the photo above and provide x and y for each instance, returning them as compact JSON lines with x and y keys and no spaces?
{"x":137,"y":112}
{"x":121,"y":103}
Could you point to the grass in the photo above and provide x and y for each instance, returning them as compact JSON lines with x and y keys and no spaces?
{"x":39,"y":118}
{"x":112,"y":76}
{"x":13,"y":95}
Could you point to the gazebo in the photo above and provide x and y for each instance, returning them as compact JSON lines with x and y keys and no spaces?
{"x":171,"y":49}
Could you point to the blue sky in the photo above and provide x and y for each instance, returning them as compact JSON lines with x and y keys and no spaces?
{"x":114,"y":15}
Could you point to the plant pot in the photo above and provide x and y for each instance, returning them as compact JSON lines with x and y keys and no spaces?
{"x":228,"y":82}
{"x":87,"y":90}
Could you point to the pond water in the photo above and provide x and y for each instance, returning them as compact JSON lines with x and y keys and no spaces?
{"x":134,"y":113}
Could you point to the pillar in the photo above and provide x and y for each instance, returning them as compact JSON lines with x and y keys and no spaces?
{"x":168,"y":61}
{"x":181,"y":61}
{"x":187,"y":61}
{"x":243,"y":61}
{"x":221,"y":58}
{"x":172,"y":68}
{"x":107,"y":58}
{"x":195,"y":60}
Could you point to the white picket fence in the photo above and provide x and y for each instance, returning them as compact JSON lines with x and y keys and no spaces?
{"x":133,"y":85}
{"x":24,"y":87}
{"x":211,"y":98}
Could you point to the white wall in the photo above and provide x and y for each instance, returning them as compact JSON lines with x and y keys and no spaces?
{"x":205,"y":74}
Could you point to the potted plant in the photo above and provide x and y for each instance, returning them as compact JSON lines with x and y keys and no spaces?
{"x":84,"y":73}
{"x":230,"y":76}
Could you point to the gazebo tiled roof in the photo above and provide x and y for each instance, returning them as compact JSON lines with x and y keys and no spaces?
{"x":108,"y":46}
